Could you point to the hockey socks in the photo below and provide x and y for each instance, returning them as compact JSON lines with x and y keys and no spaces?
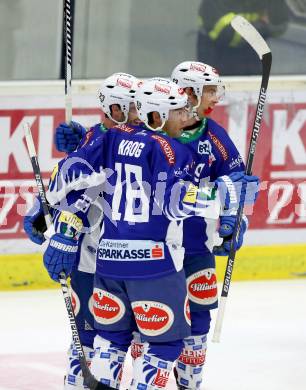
{"x":188,"y":370}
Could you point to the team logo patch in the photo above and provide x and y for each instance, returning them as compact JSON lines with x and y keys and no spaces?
{"x":107,"y":308}
{"x":194,"y":357}
{"x":204,"y":147}
{"x":72,"y":220}
{"x":152,"y":318}
{"x":202,"y":287}
{"x":191,"y":194}
{"x":136,"y":350}
{"x":161,"y":378}
{"x":187,"y":311}
{"x":76,"y":305}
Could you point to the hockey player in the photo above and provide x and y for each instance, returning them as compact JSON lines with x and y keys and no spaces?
{"x":206,"y":138}
{"x":116,"y":96}
{"x":139,"y":259}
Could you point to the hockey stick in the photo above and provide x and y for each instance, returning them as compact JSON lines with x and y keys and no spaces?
{"x":67,"y":23}
{"x":252,"y":36}
{"x":89,"y":379}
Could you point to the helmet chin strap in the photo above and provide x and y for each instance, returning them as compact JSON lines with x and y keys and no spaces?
{"x":118,"y":122}
{"x":195,"y":109}
{"x":195,"y":114}
{"x":156,"y":128}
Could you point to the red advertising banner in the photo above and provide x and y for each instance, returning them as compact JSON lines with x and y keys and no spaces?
{"x":280,"y":158}
{"x":17,"y":184}
{"x":280,"y":162}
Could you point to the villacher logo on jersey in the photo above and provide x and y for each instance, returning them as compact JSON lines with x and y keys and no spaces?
{"x":202,"y":287}
{"x":153,"y":318}
{"x":107,"y":308}
{"x":130,"y":250}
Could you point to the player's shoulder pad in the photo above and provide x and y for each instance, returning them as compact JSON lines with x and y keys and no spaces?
{"x":166,"y":145}
{"x":219,"y":137}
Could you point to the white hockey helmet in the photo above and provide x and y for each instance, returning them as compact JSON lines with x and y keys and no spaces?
{"x":161,"y":95}
{"x":119,"y":88}
{"x":196,"y":75}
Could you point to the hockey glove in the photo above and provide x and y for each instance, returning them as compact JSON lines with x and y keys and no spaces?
{"x":226,"y":230}
{"x":67,"y":137}
{"x":237,"y":189}
{"x":60,"y":255}
{"x":34,"y":223}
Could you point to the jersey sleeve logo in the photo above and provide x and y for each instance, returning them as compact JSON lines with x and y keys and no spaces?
{"x":125,"y":128}
{"x":166,"y":148}
{"x":219,"y":145}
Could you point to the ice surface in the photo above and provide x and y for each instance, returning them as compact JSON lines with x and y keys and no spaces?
{"x":263,"y":344}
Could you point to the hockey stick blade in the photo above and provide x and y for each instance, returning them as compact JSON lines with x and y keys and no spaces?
{"x":251,"y":35}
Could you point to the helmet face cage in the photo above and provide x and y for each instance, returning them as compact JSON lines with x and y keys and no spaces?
{"x":119,"y":88}
{"x":196,"y":75}
{"x":160,"y":95}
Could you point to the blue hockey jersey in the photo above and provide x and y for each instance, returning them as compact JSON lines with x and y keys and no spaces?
{"x":92,"y":134}
{"x":145,"y":179}
{"x":213,"y":148}
{"x":89,"y":242}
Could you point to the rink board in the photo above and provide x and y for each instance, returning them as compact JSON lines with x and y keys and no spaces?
{"x":26,"y":271}
{"x":279,"y":215}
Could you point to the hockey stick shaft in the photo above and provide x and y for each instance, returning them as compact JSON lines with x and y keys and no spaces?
{"x":89,"y":379}
{"x":257,"y":42}
{"x":67,"y":23}
{"x":37,"y":173}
